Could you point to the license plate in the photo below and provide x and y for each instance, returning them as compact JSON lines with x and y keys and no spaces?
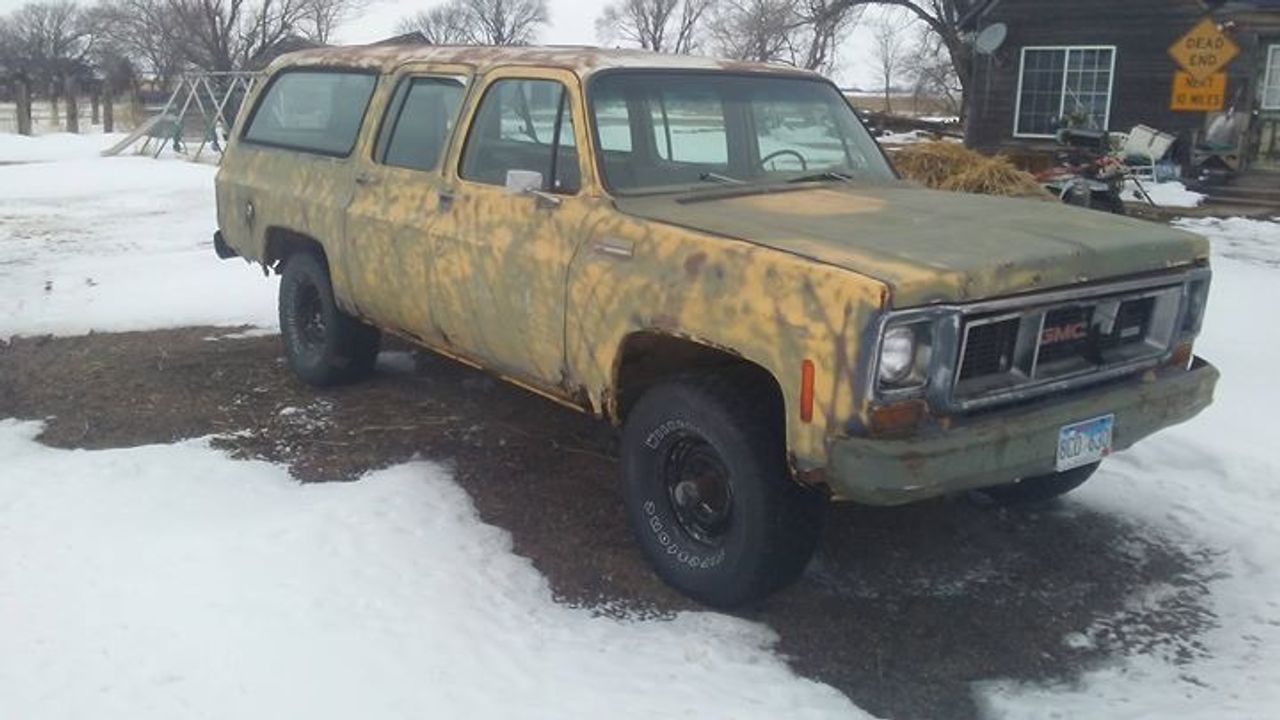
{"x":1087,"y":441}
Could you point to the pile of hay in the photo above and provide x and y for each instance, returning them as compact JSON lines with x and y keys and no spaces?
{"x":951,"y":166}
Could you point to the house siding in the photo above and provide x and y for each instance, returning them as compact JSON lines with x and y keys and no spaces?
{"x":1141,"y":32}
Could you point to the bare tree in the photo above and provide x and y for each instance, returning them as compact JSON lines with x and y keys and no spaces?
{"x":756,"y":30}
{"x":18,"y":66}
{"x":480,"y":22}
{"x":822,"y":30}
{"x":441,"y":25}
{"x":929,"y":69}
{"x":51,"y":42}
{"x":657,"y":25}
{"x":142,"y":33}
{"x":322,"y":17}
{"x":507,"y":22}
{"x":945,"y":18}
{"x":221,"y":35}
{"x":889,"y":48}
{"x":805,"y":33}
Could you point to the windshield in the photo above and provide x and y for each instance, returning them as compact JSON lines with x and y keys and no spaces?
{"x":665,"y":131}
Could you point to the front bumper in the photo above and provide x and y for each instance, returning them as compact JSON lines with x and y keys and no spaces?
{"x":1003,"y":445}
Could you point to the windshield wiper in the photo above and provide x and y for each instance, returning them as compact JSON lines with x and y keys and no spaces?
{"x":717,"y":177}
{"x":824,"y":175}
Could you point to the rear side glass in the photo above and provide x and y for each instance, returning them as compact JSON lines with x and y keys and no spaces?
{"x":317,"y":111}
{"x":419,"y":122}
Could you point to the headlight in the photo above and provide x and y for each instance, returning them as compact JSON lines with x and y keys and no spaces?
{"x":897,"y":354}
{"x":905,"y":352}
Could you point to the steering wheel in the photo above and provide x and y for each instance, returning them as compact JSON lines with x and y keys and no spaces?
{"x":784,"y":151}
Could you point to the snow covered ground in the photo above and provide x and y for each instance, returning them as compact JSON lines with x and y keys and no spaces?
{"x":1170,"y":194}
{"x":54,"y":146}
{"x":92,"y":243}
{"x":1211,"y":483}
{"x":173,"y":581}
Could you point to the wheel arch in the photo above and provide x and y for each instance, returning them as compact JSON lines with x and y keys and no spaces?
{"x":281,"y":242}
{"x":647,"y":357}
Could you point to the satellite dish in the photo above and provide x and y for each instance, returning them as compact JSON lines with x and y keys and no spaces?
{"x":991,"y":38}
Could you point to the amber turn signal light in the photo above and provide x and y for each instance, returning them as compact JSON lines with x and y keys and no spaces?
{"x":1181,"y":357}
{"x":806,"y":391}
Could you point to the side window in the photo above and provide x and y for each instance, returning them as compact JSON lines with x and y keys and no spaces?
{"x":689,"y":126}
{"x":613,"y":122}
{"x":418,"y":122}
{"x":523,"y":125}
{"x":316,"y":111}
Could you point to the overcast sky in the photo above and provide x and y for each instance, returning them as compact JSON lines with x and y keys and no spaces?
{"x":572,"y":22}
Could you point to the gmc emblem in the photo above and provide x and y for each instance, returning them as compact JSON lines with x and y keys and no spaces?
{"x":1063,"y":333}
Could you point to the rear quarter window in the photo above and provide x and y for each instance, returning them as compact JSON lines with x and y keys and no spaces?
{"x":318,"y":111}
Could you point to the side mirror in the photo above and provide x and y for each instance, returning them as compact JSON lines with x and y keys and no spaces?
{"x":529,"y":182}
{"x":523,"y":181}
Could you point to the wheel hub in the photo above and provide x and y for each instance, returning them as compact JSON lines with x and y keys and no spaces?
{"x":698,"y":489}
{"x":310,"y":314}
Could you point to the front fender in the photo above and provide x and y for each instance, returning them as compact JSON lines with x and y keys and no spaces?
{"x":771,"y":308}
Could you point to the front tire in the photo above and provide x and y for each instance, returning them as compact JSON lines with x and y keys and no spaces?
{"x":324,"y":346}
{"x":1035,"y":490}
{"x":709,"y":493}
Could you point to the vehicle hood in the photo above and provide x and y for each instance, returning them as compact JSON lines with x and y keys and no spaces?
{"x":931,"y":246}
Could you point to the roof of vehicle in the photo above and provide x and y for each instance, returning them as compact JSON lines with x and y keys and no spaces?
{"x":581,"y":59}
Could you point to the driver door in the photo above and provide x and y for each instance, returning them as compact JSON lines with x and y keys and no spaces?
{"x":504,"y":253}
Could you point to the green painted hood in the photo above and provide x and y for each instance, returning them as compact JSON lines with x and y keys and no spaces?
{"x":930,"y":246}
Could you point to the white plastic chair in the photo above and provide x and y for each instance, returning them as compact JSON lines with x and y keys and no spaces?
{"x":1143,"y":147}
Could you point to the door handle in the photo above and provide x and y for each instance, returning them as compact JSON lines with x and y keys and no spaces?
{"x":446,"y":198}
{"x":365,"y":178}
{"x":542,"y":198}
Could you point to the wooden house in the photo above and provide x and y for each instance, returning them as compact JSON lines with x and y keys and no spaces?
{"x":1174,"y":65}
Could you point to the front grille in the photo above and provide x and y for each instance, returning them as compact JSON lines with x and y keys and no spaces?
{"x":1005,"y":351}
{"x":1067,"y":333}
{"x":989,"y":349}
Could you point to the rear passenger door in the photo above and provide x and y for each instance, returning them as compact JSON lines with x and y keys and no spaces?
{"x":504,"y":255}
{"x":397,"y":199}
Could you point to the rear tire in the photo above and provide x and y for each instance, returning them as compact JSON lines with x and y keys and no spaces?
{"x":709,"y":493}
{"x":324,"y":346}
{"x":1035,"y":490}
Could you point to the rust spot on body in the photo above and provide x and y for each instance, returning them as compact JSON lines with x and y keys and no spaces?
{"x":693,"y":264}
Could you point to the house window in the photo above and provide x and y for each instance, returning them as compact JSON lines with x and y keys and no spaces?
{"x":1063,"y":86}
{"x":1271,"y":83}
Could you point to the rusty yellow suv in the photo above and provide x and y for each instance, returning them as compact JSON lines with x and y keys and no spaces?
{"x":718,"y":258}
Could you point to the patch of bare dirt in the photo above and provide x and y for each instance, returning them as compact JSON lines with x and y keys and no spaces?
{"x":902,"y":610}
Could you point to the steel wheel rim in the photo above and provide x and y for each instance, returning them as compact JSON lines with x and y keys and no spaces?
{"x":309,"y":312}
{"x":698,"y":489}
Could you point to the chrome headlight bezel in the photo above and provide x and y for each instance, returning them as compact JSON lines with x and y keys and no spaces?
{"x":931,"y":333}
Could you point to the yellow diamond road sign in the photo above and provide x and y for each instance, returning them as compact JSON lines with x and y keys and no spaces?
{"x":1204,"y":50}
